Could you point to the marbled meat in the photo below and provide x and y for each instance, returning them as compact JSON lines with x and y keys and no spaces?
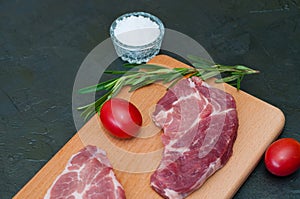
{"x":200,"y":127}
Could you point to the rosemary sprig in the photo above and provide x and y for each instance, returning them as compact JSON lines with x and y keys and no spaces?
{"x":145,"y":74}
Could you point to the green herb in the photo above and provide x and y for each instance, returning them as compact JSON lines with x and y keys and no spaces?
{"x":145,"y":74}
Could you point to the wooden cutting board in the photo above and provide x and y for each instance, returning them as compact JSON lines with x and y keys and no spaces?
{"x":134,"y":160}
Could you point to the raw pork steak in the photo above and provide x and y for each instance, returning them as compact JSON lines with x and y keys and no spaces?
{"x":200,"y":126}
{"x":88,"y":175}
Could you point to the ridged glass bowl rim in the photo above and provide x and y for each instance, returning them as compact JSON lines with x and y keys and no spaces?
{"x":141,"y":47}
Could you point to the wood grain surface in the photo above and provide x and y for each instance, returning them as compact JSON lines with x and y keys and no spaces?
{"x":134,"y":160}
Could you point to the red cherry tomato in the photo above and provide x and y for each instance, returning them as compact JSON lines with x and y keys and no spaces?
{"x":121,"y":118}
{"x":282,"y":157}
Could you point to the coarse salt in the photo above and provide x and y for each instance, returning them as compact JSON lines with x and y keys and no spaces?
{"x":136,"y":31}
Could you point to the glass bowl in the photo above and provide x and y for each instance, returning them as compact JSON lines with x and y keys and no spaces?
{"x":137,"y":36}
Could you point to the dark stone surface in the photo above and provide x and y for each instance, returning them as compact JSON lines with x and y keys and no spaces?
{"x":43,"y":43}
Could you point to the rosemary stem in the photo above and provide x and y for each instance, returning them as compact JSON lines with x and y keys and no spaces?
{"x":145,"y":74}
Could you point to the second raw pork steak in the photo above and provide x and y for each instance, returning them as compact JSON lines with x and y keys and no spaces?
{"x":87,"y":175}
{"x":200,"y":126}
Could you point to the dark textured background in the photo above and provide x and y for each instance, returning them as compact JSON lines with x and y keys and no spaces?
{"x":42,"y":44}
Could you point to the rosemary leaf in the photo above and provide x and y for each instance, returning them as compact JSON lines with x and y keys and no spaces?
{"x":210,"y":74}
{"x":201,"y":66}
{"x":142,"y":84}
{"x":130,"y":65}
{"x":117,"y":72}
{"x":228,"y":79}
{"x":150,"y":66}
{"x":172,"y":77}
{"x":102,"y":86}
{"x":138,"y":80}
{"x":238,"y":86}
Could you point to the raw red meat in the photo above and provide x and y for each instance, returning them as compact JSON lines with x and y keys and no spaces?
{"x":88,"y":175}
{"x":200,"y":126}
